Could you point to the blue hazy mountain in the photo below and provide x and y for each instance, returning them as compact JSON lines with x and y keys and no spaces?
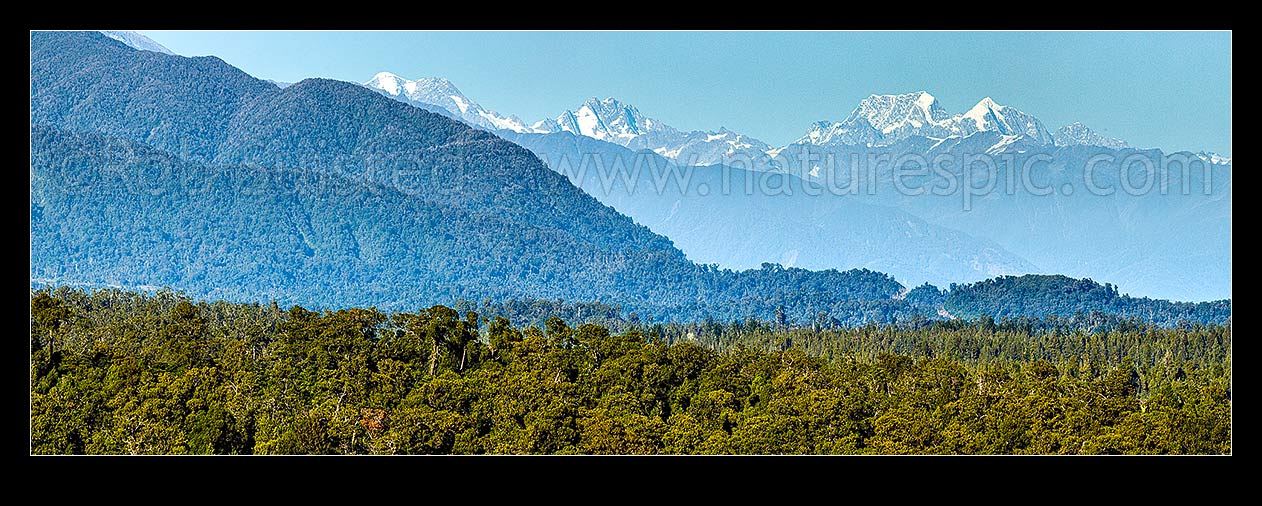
{"x":84,"y":81}
{"x":1163,"y":232}
{"x":740,"y":218}
{"x":1165,"y":243}
{"x":151,"y":170}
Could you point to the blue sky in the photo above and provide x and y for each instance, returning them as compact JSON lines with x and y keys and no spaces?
{"x":1154,"y":89}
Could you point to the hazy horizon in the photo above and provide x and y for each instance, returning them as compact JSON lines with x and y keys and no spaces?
{"x":1168,"y":90}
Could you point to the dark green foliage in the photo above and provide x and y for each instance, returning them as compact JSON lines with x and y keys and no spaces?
{"x":1038,"y":296}
{"x":1068,"y":343}
{"x":926,"y":295}
{"x":120,"y":372}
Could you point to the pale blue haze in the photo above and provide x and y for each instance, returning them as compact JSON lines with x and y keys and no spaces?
{"x":1154,"y":89}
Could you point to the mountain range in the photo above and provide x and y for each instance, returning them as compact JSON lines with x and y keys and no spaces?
{"x":878,"y":116}
{"x":150,"y":169}
{"x":158,"y":170}
{"x":920,"y":239}
{"x":877,"y":120}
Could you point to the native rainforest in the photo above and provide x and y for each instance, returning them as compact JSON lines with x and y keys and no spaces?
{"x":222,"y":264}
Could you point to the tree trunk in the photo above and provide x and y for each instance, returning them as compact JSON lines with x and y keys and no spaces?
{"x":433,"y":358}
{"x":463,"y":351}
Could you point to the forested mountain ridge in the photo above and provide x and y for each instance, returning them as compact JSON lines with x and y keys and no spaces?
{"x":300,"y":236}
{"x":207,"y":111}
{"x":340,"y":128}
{"x":87,"y":81}
{"x":292,"y":234}
{"x":1038,"y":296}
{"x":191,"y":174}
{"x":367,"y":201}
{"x":1030,"y":302}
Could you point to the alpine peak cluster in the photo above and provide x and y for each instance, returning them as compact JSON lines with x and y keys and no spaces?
{"x":878,"y":120}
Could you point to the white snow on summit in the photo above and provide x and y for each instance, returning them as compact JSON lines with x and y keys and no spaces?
{"x":136,"y":40}
{"x":387,"y":82}
{"x":436,"y":91}
{"x":609,"y":120}
{"x":988,"y":116}
{"x":605,"y":119}
{"x":1077,"y":134}
{"x":885,"y":119}
{"x":614,"y":121}
{"x":878,"y":120}
{"x":1214,"y":158}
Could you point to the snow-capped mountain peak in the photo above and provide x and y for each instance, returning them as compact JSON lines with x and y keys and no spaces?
{"x":1214,"y":158}
{"x":438,"y":91}
{"x":607,"y":119}
{"x":986,"y":110}
{"x":989,"y":116}
{"x":1077,"y":134}
{"x":387,"y":82}
{"x":546,"y":125}
{"x":136,"y":41}
{"x":888,"y":113}
{"x":613,"y":120}
{"x":885,"y":119}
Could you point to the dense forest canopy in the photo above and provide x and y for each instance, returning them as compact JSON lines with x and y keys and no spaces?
{"x":1039,"y":296}
{"x":125,"y":372}
{"x":359,"y":276}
